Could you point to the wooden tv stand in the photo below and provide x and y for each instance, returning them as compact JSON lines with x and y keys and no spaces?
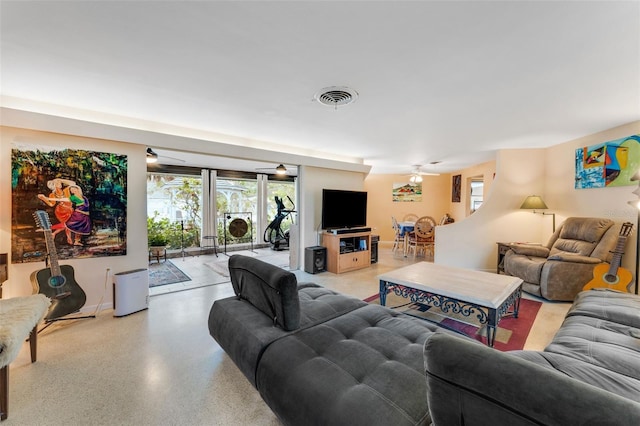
{"x":347,"y":251}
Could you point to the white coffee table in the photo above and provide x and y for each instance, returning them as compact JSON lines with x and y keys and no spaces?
{"x":466,"y":292}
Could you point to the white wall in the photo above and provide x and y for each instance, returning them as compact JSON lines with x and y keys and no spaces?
{"x":471,"y":242}
{"x":467,"y":243}
{"x":549,"y":172}
{"x":89,"y":273}
{"x":312,"y":181}
{"x":436,"y":195}
{"x":610,"y":202}
{"x":462,"y":209}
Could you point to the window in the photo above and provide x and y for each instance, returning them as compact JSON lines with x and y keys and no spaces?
{"x":476,"y":193}
{"x":286,"y":191}
{"x":237,"y":199}
{"x":173,"y":208}
{"x":174,"y":205}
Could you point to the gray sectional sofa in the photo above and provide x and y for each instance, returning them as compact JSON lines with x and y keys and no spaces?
{"x":318,"y":357}
{"x":588,"y":375}
{"x":321,"y":358}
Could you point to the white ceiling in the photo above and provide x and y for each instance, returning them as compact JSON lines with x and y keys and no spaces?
{"x":437,"y":81}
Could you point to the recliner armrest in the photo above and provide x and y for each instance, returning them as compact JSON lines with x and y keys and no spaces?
{"x":575,"y":258}
{"x":530,"y":250}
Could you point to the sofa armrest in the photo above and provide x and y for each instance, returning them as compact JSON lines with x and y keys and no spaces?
{"x":530,"y":250}
{"x":575,"y":258}
{"x":470,"y":384}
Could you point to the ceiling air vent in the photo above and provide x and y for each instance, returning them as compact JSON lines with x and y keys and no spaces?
{"x":336,"y":96}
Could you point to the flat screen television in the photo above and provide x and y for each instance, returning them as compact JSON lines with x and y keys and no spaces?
{"x":343,"y":209}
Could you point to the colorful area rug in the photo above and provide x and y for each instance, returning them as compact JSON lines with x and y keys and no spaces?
{"x":511,"y":333}
{"x":164,"y":273}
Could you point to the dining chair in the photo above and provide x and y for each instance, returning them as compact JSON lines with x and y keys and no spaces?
{"x":410,"y":217}
{"x":422,"y":237}
{"x":446,"y":219}
{"x":398,"y":239}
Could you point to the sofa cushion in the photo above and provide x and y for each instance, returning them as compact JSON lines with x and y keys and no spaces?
{"x":588,"y":229}
{"x":476,"y":385}
{"x":269,"y":288}
{"x":318,"y":304}
{"x":563,"y":246}
{"x":365,"y":365}
{"x":580,"y":235}
{"x":599,"y":352}
{"x":616,"y":306}
{"x":233,"y":317}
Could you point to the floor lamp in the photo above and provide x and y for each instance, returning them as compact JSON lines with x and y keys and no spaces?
{"x":535,"y":202}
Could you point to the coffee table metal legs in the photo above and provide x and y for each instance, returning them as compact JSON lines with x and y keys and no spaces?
{"x":483,"y":314}
{"x":513,"y":301}
{"x":383,"y":293}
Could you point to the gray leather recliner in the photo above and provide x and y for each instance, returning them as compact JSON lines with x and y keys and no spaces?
{"x":560,"y":269}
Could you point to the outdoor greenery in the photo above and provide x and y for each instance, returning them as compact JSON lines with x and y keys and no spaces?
{"x":161,"y":230}
{"x":169,"y":194}
{"x":174,"y":194}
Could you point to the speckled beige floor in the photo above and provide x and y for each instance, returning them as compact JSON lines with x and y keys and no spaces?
{"x":160,"y":366}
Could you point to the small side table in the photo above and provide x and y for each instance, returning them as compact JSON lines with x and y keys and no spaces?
{"x":157,"y":253}
{"x":503,"y":248}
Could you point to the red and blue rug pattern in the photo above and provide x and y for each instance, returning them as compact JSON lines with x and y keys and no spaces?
{"x":511,"y":334}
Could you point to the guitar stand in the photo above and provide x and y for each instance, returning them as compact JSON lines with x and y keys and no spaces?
{"x":47,"y":323}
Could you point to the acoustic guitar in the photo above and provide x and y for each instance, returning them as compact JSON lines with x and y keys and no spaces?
{"x":613,"y":276}
{"x":56,"y":282}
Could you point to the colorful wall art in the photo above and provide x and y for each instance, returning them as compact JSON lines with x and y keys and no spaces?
{"x":610,"y":163}
{"x":407,"y":192}
{"x":84,"y":195}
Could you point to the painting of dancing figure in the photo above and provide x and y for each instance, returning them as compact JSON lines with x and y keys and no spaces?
{"x":85,"y":194}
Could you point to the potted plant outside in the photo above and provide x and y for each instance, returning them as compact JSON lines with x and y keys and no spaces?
{"x":157,"y":244}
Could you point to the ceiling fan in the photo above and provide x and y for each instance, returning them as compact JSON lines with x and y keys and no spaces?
{"x":417,"y":173}
{"x":279,"y":170}
{"x":152,"y":157}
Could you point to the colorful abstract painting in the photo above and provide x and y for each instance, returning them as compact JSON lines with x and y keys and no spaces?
{"x":407,"y":192}
{"x":610,"y":163}
{"x":84,"y":194}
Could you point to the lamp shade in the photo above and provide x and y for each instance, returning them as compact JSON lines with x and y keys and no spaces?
{"x":533,"y":202}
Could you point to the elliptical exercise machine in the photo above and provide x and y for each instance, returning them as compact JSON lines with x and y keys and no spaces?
{"x":274,"y":234}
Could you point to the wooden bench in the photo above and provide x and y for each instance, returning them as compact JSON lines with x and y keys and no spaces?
{"x":19,"y":318}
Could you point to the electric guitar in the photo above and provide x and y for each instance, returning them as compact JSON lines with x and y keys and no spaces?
{"x":613,"y":276}
{"x":56,"y":282}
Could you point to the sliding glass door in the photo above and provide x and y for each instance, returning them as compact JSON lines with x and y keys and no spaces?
{"x":175,"y":204}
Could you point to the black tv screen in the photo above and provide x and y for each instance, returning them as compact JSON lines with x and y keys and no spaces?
{"x":343,"y":209}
